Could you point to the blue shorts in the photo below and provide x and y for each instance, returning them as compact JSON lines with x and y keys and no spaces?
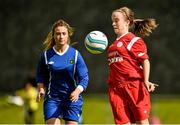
{"x":66,"y":110}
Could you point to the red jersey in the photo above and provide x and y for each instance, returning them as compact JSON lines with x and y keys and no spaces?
{"x":125,"y":56}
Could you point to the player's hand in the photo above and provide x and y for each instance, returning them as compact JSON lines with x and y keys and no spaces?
{"x":40,"y":95}
{"x":75,"y":95}
{"x":150,"y":86}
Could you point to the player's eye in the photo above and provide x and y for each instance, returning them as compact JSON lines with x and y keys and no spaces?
{"x":64,"y":33}
{"x":116,"y":20}
{"x":58,"y":33}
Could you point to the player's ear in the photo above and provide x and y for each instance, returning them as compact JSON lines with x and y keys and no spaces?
{"x":127,"y":22}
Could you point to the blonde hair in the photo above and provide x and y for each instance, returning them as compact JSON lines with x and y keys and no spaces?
{"x":141,"y":27}
{"x":49,"y":41}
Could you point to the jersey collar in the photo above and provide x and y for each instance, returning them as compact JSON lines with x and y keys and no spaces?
{"x":62,"y":52}
{"x":121,"y":36}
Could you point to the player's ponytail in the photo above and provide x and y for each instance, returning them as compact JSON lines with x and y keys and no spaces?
{"x":140,"y":27}
{"x":143,"y":27}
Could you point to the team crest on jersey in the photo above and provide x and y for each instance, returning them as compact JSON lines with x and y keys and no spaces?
{"x":119,"y":44}
{"x":71,"y":61}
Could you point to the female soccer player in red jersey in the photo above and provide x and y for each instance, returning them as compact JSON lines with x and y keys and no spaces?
{"x":129,"y":68}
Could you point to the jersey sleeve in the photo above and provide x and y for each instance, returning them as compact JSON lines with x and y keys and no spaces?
{"x":42,"y":74}
{"x":82,"y":72}
{"x":139,"y":50}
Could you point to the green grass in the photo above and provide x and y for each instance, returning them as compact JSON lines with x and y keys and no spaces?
{"x":12,"y":114}
{"x":97,"y":110}
{"x":167,"y":109}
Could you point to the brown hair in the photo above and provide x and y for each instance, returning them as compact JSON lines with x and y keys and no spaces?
{"x":141,"y":27}
{"x":49,"y":41}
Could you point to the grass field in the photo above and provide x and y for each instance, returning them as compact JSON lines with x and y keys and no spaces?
{"x":96,"y":110}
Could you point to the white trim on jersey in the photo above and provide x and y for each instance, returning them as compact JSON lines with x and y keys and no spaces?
{"x":121,"y":36}
{"x":75,"y":61}
{"x":45,"y":56}
{"x":46,"y":61}
{"x":131,"y":43}
{"x":48,"y":93}
{"x":62,"y":52}
{"x":80,"y":88}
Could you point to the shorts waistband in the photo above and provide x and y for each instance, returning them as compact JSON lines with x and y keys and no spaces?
{"x":123,"y":82}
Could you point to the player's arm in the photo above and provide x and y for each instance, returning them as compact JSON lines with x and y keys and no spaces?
{"x":83,"y":78}
{"x":146,"y":70}
{"x":139,"y":51}
{"x":82,"y":73}
{"x":41,"y":77}
{"x":41,"y":91}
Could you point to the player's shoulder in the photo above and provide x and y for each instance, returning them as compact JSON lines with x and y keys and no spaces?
{"x":50,"y":50}
{"x":135,"y":42}
{"x":72,"y":49}
{"x":136,"y":39}
{"x":139,"y":40}
{"x":128,"y":37}
{"x":49,"y":53}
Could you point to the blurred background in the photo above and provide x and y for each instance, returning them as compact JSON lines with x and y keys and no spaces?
{"x":24,"y":25}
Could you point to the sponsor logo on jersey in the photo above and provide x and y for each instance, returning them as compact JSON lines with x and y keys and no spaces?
{"x":141,"y":54}
{"x":112,"y":54}
{"x":51,"y":62}
{"x":114,"y":57}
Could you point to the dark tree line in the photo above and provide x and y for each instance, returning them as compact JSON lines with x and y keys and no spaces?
{"x":24,"y":25}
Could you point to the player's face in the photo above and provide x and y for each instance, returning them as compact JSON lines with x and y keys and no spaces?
{"x":61,"y":35}
{"x":119,"y":23}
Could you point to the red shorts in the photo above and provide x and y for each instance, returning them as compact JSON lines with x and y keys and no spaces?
{"x":130,"y":102}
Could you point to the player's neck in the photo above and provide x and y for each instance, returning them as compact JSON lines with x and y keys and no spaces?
{"x":62,"y":48}
{"x":121,"y":35}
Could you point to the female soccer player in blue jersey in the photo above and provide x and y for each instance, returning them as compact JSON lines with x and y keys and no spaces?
{"x":62,"y":76}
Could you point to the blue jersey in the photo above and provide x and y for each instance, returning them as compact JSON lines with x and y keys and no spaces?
{"x":62,"y":73}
